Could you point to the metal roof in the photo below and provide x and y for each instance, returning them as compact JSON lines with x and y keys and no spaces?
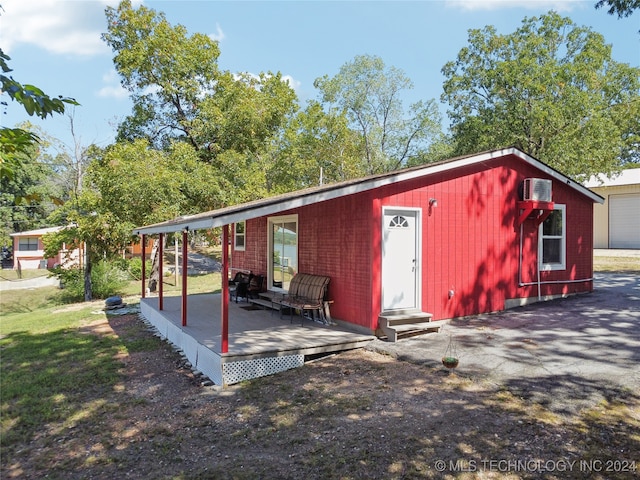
{"x":625,"y":177}
{"x":309,"y":196}
{"x":35,"y":233}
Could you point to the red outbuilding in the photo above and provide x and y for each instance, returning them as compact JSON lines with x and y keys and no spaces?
{"x":470,"y":235}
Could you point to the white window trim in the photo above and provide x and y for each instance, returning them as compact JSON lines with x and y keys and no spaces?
{"x":237,"y":247}
{"x":562,"y":265}
{"x":270,"y":222}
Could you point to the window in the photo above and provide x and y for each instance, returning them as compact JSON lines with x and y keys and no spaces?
{"x":283,"y":248}
{"x":239,"y":235}
{"x":28,"y":244}
{"x":398,"y":222}
{"x":552,"y":245}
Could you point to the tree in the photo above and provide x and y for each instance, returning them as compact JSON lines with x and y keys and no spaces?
{"x":179,"y":93}
{"x":315,"y":143}
{"x":16,"y":142}
{"x":165,"y":70}
{"x":551,"y":89}
{"x":27,"y":196}
{"x":623,"y":8}
{"x":369,"y":94}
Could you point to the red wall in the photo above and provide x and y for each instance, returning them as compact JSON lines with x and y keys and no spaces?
{"x":470,"y":242}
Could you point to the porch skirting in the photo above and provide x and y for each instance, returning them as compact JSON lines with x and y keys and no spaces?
{"x":260,"y":344}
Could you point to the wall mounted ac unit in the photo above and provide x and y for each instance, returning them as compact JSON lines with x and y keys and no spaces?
{"x":537,"y":189}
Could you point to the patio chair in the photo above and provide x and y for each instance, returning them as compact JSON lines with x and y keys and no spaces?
{"x":255,"y":286}
{"x":239,"y":286}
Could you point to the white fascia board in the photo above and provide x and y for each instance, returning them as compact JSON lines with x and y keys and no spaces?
{"x":558,"y":176}
{"x":218,"y":218}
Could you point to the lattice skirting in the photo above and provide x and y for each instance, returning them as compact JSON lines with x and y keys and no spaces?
{"x":210,"y":363}
{"x":234,"y":372}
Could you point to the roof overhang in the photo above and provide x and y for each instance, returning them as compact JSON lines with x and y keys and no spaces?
{"x":310,"y":196}
{"x":37,"y":232}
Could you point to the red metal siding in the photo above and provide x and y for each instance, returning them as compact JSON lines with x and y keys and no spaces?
{"x":332,"y":241}
{"x":470,"y":242}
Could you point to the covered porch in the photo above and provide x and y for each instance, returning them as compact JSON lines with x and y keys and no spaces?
{"x":260,"y":342}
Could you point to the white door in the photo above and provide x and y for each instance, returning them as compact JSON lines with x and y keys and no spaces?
{"x":400,"y":262}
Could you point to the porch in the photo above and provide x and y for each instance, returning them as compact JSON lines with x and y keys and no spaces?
{"x":260,"y":343}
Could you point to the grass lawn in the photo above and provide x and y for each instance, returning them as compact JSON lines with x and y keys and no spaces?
{"x":616,"y":264}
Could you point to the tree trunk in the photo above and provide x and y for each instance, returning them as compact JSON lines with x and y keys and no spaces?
{"x":88,"y":296}
{"x":155,"y":267}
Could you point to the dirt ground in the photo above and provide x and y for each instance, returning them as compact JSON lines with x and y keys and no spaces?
{"x":355,"y":415}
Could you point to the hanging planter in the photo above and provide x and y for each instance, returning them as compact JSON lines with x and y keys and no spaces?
{"x":450,"y":358}
{"x":450,"y":362}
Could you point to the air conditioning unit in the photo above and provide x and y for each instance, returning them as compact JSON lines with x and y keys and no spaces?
{"x":537,"y":189}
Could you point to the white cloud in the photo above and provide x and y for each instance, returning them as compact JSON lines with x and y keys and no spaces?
{"x":58,"y":26}
{"x":557,"y":5}
{"x":219,"y":35}
{"x":112,"y":88}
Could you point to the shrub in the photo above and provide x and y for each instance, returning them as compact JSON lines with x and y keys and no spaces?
{"x":135,"y":268}
{"x":107,"y":279}
{"x":71,"y":281}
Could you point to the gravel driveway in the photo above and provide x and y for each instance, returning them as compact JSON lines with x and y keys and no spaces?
{"x":565,"y":354}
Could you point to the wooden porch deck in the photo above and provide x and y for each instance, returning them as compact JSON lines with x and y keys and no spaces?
{"x":260,"y":342}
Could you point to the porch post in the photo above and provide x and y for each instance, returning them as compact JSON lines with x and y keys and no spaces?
{"x":224,"y":341}
{"x":160,"y":273}
{"x":184,"y":277}
{"x":143,"y":244}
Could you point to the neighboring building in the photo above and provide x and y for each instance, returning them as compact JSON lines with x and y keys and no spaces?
{"x":28,"y":251}
{"x":617,"y":222}
{"x":135,"y":249}
{"x":466,"y":236}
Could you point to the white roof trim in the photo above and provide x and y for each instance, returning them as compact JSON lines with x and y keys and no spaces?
{"x":272,"y":205}
{"x":35,"y":233}
{"x":625,"y":177}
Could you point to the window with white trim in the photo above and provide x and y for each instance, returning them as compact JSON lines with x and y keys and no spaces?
{"x":29,"y":244}
{"x":553,"y":240}
{"x":239,"y":235}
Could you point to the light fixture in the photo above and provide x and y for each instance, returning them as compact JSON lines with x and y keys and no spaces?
{"x":433,"y":203}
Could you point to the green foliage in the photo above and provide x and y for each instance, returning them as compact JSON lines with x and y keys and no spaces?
{"x":107,"y":279}
{"x":15,"y":142}
{"x":315,"y":141}
{"x":165,"y":70}
{"x":134,"y":267}
{"x":551,"y":89}
{"x":186,"y":106}
{"x":28,"y":195}
{"x":179,"y":93}
{"x":623,"y":8}
{"x":369,"y":94}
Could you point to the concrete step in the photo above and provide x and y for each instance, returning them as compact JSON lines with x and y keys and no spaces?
{"x":404,"y":318}
{"x":392,"y":331}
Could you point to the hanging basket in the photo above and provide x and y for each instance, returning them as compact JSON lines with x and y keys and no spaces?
{"x":450,"y":358}
{"x":450,"y":362}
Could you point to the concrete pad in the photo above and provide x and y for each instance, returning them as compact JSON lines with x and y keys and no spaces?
{"x":566,"y":353}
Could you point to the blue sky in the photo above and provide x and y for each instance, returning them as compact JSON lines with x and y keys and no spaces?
{"x":55,"y":44}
